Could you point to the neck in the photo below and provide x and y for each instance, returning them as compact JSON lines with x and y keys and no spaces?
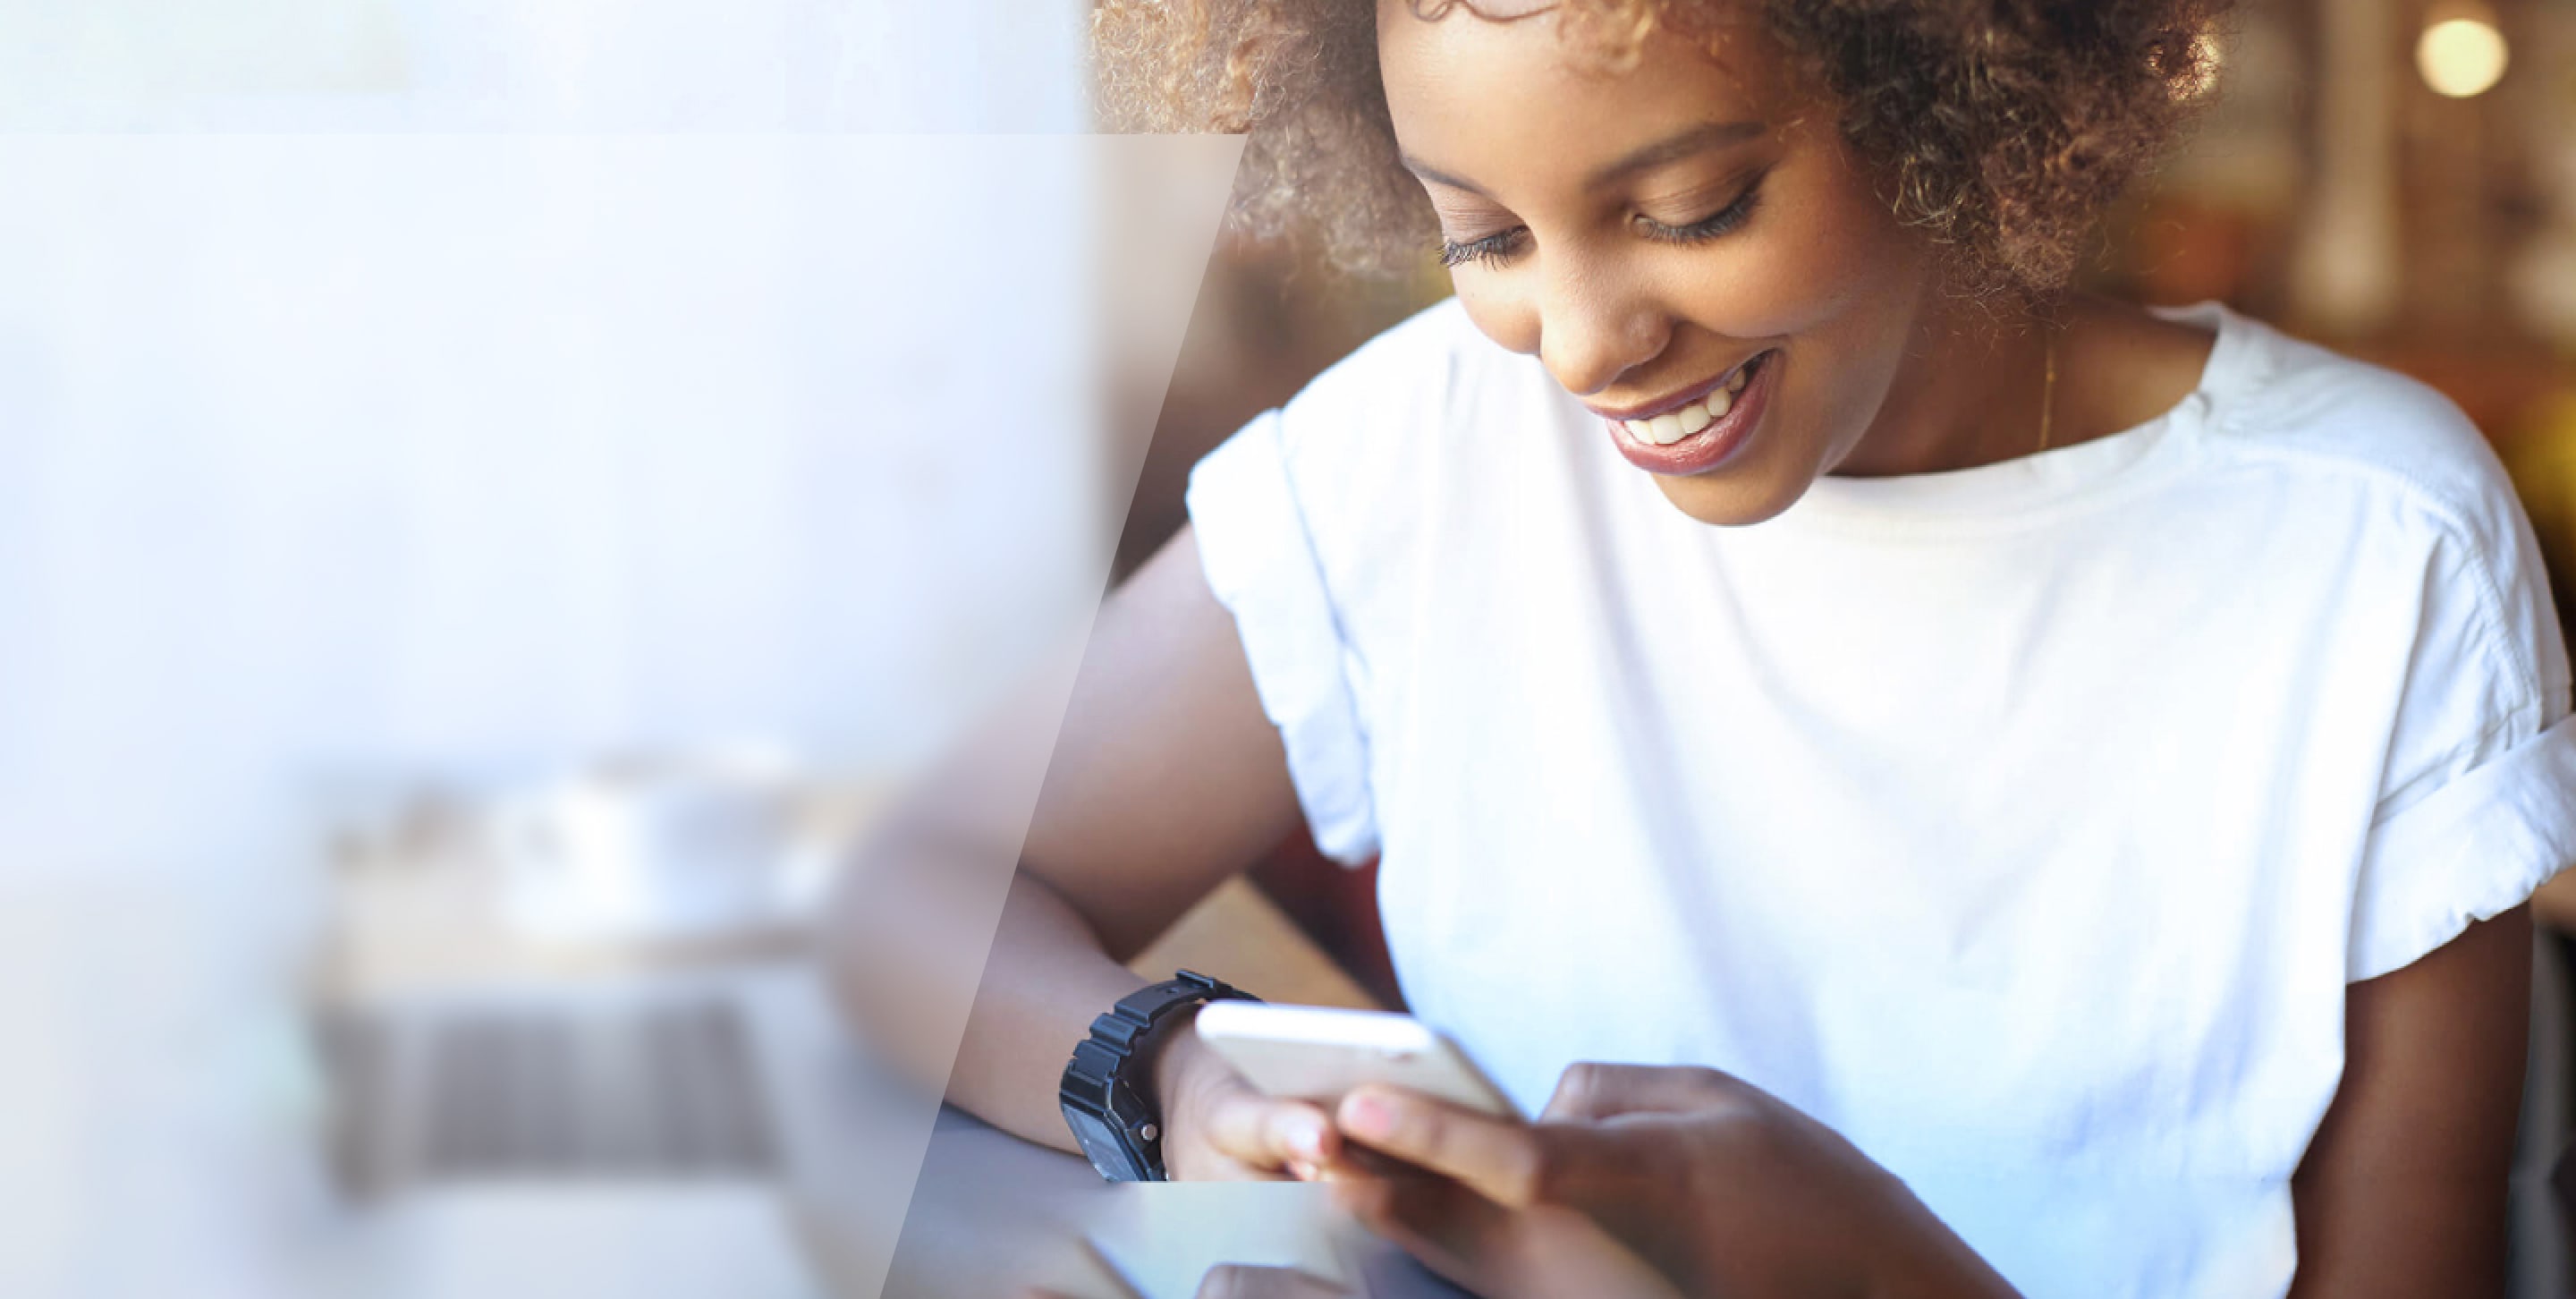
{"x":1972,"y":390}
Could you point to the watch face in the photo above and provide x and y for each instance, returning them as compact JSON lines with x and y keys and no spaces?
{"x":1105,"y":1147}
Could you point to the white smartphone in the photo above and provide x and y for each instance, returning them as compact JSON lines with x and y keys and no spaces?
{"x":1317,"y":1053}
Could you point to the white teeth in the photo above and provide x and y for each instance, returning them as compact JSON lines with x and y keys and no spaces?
{"x":1674,"y":425}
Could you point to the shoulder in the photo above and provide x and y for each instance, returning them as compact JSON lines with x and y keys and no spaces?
{"x":2359,"y":430}
{"x":2396,"y":478}
{"x":1340,"y":455}
{"x":1424,"y":416}
{"x":1413,"y":375}
{"x":1426,"y":441}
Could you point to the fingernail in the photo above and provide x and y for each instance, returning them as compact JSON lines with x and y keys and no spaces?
{"x":1367,"y":1116}
{"x":1301,"y":1170}
{"x":1309,"y":1141}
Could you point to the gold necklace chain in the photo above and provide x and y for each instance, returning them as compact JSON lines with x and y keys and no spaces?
{"x":2048,"y":394}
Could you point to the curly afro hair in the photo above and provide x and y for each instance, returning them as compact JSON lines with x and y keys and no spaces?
{"x":1999,"y":127}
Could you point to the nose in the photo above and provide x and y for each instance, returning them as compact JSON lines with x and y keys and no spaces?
{"x":1595,"y":327}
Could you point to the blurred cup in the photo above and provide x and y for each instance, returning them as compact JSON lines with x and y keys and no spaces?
{"x":655,"y":847}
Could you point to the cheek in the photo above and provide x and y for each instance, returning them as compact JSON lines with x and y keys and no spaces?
{"x":1821,"y":264}
{"x":1506,"y":318}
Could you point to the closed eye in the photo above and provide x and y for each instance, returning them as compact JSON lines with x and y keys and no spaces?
{"x":1723,"y":221}
{"x":1492,"y":249}
{"x":1503,"y":246}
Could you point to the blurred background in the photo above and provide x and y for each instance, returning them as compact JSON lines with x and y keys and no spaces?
{"x":492,"y":499}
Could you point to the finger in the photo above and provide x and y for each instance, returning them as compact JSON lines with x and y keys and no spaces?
{"x":1353,"y":1160}
{"x":1375,"y":1204}
{"x":1600,"y":1091}
{"x":1271,"y":1134}
{"x":1454,"y":1221}
{"x":1499,"y":1159}
{"x":1486,"y":1249}
{"x":1235,"y":1281}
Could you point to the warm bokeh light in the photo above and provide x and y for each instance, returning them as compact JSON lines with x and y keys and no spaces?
{"x":2461,"y":57}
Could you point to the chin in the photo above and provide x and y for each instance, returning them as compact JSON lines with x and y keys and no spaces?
{"x":1730,"y":501}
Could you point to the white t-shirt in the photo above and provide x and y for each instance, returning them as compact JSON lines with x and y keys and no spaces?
{"x":2024,"y":822}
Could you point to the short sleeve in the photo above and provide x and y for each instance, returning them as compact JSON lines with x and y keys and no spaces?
{"x":2478,"y":807}
{"x":1260,"y":560}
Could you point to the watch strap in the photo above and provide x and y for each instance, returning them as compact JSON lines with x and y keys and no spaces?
{"x":1127,"y":1024}
{"x":1101,"y":1078}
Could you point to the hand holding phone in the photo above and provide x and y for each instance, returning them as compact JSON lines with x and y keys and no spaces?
{"x":1319,"y":1053}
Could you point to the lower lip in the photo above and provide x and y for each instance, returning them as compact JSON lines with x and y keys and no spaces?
{"x":1711,"y":447}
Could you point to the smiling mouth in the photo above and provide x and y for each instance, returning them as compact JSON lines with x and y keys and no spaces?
{"x":1687,"y":417}
{"x":1707,"y":428}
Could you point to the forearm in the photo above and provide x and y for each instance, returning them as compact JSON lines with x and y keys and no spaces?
{"x":1163,"y":777}
{"x":913,"y":944}
{"x":1046,"y":980}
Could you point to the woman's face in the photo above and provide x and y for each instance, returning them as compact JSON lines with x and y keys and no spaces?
{"x":1648,"y":234}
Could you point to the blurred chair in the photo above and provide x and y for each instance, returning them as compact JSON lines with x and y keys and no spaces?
{"x":2543,"y":1174}
{"x":1335,"y":906}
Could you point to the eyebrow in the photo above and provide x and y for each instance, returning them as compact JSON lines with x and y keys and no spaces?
{"x":1672,"y":148}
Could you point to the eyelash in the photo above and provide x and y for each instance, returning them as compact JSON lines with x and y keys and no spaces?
{"x":1498,"y":248}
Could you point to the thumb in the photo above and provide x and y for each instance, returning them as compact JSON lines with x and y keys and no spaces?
{"x":1266,"y":1132}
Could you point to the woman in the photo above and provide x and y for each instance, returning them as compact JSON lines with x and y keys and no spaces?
{"x":2029,"y":791}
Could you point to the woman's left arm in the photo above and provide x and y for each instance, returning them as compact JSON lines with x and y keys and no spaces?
{"x":2403,"y":1190}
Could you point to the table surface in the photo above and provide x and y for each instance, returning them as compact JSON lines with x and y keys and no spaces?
{"x":995,"y":1215}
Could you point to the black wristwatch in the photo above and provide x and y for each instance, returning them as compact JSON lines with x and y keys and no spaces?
{"x":1107,"y":1095}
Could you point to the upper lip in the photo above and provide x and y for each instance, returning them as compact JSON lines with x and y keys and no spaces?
{"x":1650,"y":409}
